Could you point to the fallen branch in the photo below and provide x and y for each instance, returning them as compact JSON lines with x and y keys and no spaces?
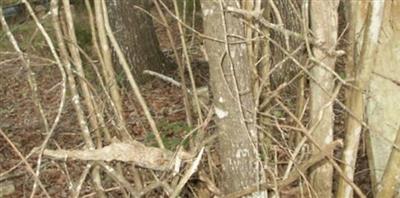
{"x":163,"y":77}
{"x":136,"y":152}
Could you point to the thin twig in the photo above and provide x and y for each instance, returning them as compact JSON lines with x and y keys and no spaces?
{"x":28,"y":166}
{"x":188,"y":174}
{"x":130,"y":77}
{"x":327,"y":150}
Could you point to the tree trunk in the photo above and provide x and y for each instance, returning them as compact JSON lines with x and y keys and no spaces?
{"x":362,"y":72}
{"x":288,"y":14}
{"x":383,"y":95}
{"x":234,"y":105}
{"x":324,"y":24}
{"x":135,"y":34}
{"x":390,"y":179}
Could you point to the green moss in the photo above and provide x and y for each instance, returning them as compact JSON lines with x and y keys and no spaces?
{"x":278,"y":113}
{"x":171,"y":134}
{"x":83,"y":36}
{"x":29,"y":38}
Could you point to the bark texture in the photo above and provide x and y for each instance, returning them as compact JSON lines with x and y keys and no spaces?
{"x":355,"y":101}
{"x":389,"y":186}
{"x":383,"y":94}
{"x":232,"y":97}
{"x":136,"y":35}
{"x":288,"y":14}
{"x":324,"y":24}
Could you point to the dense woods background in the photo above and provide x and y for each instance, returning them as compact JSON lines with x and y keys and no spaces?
{"x":199,"y":98}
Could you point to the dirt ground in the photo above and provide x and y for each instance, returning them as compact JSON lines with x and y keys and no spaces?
{"x":20,"y":120}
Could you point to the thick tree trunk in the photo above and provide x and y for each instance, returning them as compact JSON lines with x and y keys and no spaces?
{"x":390,"y":179}
{"x":233,"y":99}
{"x":362,"y":73}
{"x":135,"y":33}
{"x":383,"y":96}
{"x":288,"y":14}
{"x":324,"y":24}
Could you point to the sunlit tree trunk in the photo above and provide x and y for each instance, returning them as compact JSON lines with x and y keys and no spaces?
{"x":389,"y":185}
{"x":324,"y":24}
{"x":233,"y":99}
{"x":362,"y":72}
{"x":108,"y":67}
{"x":382,"y":106}
{"x":76,"y":99}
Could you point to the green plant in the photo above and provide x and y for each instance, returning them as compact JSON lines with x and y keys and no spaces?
{"x":83,"y":36}
{"x":171,"y":134}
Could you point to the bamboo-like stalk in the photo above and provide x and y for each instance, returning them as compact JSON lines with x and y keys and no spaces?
{"x":88,"y":97}
{"x":74,"y":92}
{"x":321,"y":14}
{"x":96,"y":47}
{"x":130,"y":77}
{"x":261,"y":88}
{"x":36,"y":100}
{"x":117,"y":111}
{"x":32,"y":83}
{"x":181,"y":68}
{"x":363,"y":69}
{"x":71,"y":80}
{"x":63,"y":92}
{"x":77,"y":62}
{"x":249,"y":6}
{"x":188,"y":64}
{"x":108,"y":70}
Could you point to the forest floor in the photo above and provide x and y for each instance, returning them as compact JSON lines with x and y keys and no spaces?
{"x":21,"y":121}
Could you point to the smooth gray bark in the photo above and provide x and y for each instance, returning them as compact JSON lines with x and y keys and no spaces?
{"x":232,"y":98}
{"x":324,"y":24}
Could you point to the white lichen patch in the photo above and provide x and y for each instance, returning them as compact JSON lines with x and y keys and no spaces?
{"x":357,"y":131}
{"x":253,"y":132}
{"x":329,"y":137}
{"x":220,"y":113}
{"x":379,"y":187}
{"x":233,"y":53}
{"x":75,"y":99}
{"x":109,"y":168}
{"x":242,"y":153}
{"x":207,"y":12}
{"x":243,"y":46}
